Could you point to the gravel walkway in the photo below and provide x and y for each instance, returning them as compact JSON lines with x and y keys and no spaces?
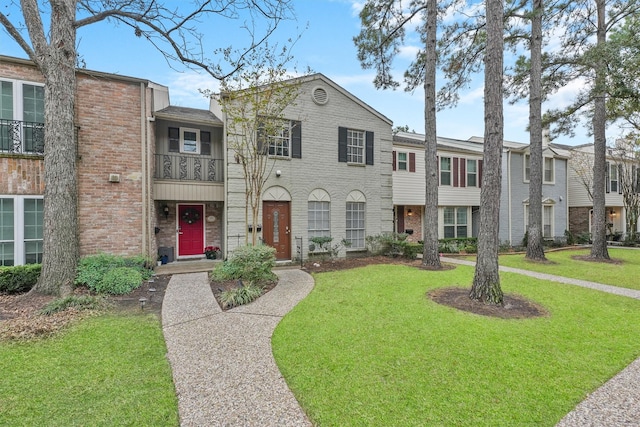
{"x":223,"y":368}
{"x":617,"y":402}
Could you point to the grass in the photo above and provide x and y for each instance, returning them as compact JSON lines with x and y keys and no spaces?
{"x":105,"y":371}
{"x":367,"y":347}
{"x":624,"y":274}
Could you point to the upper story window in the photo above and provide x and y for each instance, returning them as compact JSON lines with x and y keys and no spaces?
{"x":472,"y":173}
{"x":189,"y":140}
{"x":548,"y":173}
{"x":280,"y":138}
{"x":402,"y":161}
{"x":355,"y":146}
{"x":613,"y":178}
{"x":21,"y":117}
{"x":445,"y":170}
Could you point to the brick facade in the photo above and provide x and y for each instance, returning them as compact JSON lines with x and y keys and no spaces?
{"x":579,"y":219}
{"x":21,"y":175}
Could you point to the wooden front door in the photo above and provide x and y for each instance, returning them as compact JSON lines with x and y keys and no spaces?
{"x":276,"y":228}
{"x":190,"y":230}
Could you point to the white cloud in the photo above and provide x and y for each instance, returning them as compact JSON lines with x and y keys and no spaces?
{"x":184,"y":88}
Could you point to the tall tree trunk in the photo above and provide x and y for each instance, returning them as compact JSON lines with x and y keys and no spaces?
{"x":57,"y":61}
{"x":599,"y":249}
{"x":535,"y":250}
{"x":486,"y":281}
{"x":430,"y":255}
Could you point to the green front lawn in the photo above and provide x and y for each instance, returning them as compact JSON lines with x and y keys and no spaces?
{"x":105,"y":371}
{"x":624,"y":274}
{"x":367,"y":347}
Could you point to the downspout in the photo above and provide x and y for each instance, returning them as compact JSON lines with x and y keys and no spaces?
{"x":144,"y":136}
{"x":566,"y":194}
{"x":225,"y":211}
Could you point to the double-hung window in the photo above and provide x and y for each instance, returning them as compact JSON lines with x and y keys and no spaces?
{"x":472,"y":173}
{"x":402,"y":161}
{"x":613,"y":178}
{"x":189,"y":141}
{"x":549,"y":175}
{"x":445,"y":170}
{"x":547,"y":219}
{"x":455,"y":222}
{"x":21,"y":224}
{"x":21,"y":117}
{"x":355,"y":227}
{"x":279,"y":140}
{"x":319,"y":219}
{"x":355,"y":146}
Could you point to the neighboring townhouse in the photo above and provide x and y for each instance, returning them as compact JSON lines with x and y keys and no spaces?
{"x":331,"y":174}
{"x":580,"y":201}
{"x":115,"y":141}
{"x":459,"y":172}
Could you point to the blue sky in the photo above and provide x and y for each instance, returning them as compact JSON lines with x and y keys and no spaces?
{"x":326,"y":46}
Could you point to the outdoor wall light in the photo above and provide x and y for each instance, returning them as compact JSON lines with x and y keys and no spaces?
{"x":165,"y":209}
{"x":409,"y":213}
{"x":278,"y":173}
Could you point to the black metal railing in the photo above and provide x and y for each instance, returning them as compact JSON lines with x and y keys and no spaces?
{"x":188,"y":168}
{"x":21,"y":137}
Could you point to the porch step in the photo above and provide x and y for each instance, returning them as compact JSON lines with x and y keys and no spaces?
{"x":190,"y":266}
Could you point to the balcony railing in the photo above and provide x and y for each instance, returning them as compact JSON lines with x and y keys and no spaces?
{"x":21,"y":137}
{"x":188,"y":168}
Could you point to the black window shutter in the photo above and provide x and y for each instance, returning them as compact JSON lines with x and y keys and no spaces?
{"x":174,"y":140}
{"x":261,"y":139}
{"x":296,"y":139}
{"x":205,"y":143}
{"x":342,"y":144}
{"x":412,"y":162}
{"x":619,"y":179}
{"x":369,"y":147}
{"x":608,"y":180}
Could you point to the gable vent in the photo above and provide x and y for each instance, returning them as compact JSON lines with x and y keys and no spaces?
{"x":320,"y":96}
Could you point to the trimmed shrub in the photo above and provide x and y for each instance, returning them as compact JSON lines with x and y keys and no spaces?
{"x":19,"y":279}
{"x":93,"y":268}
{"x":251,"y":264}
{"x":411,"y":250}
{"x":119,"y":281}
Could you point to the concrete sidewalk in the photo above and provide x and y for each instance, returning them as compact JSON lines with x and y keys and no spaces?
{"x":223,"y":367}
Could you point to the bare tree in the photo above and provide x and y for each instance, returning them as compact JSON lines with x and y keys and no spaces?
{"x":625,"y":156}
{"x":254,"y":103}
{"x":171,"y":29}
{"x":486,"y":281}
{"x":582,"y":165}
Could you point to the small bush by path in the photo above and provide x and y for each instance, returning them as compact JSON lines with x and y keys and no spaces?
{"x":368,"y":347}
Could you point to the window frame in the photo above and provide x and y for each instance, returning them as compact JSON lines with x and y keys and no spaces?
{"x":448,"y":172}
{"x":404,"y":162}
{"x":473,"y":174}
{"x":357,"y":225}
{"x":551,"y":226}
{"x":20,"y":241}
{"x":613,"y":170}
{"x":286,"y":141}
{"x":325,"y":209}
{"x":455,"y":225}
{"x":527,"y":169}
{"x":356,"y":144}
{"x":18,"y":115}
{"x":183,"y":131}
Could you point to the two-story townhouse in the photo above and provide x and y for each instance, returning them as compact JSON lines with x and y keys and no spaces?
{"x":514,"y":200}
{"x":188,"y":181}
{"x":580,"y":199}
{"x":331,"y":174}
{"x":460,"y":176}
{"x":115,"y":139}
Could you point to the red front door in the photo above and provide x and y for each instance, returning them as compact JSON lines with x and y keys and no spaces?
{"x":190,"y":230}
{"x":276,"y":232}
